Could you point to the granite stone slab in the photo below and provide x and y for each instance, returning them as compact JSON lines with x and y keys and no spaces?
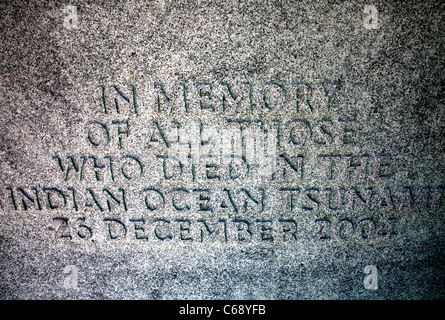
{"x":222,"y":149}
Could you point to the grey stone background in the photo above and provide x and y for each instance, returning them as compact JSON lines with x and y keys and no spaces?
{"x":390,"y":79}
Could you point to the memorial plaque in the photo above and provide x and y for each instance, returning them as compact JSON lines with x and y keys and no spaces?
{"x":222,"y":149}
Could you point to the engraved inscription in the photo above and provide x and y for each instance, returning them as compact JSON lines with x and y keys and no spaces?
{"x":273,"y":168}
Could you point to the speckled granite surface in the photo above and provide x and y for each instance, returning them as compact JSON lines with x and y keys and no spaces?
{"x":222,"y":150}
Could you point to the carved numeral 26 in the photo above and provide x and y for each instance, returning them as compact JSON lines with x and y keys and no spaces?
{"x":78,"y":228}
